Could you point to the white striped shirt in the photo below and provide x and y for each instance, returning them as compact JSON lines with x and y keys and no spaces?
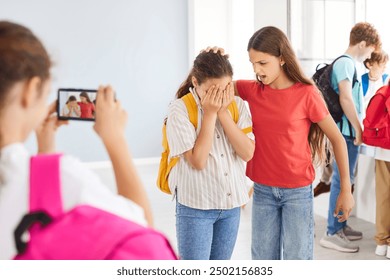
{"x":222,"y":183}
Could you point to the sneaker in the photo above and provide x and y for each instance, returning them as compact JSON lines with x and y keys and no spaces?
{"x":352,"y":234}
{"x":381,"y":250}
{"x":339,"y":242}
{"x":321,"y":188}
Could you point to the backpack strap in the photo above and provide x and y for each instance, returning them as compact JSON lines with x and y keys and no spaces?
{"x":365,"y":83}
{"x":233,"y":108}
{"x":45,"y":184}
{"x":349,"y":126}
{"x":354,"y":79}
{"x":45,"y":201}
{"x":384,"y":77}
{"x":192,"y":108}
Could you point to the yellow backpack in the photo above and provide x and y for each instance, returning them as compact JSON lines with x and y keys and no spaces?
{"x":165,"y":166}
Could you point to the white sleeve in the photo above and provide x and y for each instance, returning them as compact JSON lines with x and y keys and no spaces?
{"x":245,"y":119}
{"x":82,"y":186}
{"x":181,"y":134}
{"x":65,"y":111}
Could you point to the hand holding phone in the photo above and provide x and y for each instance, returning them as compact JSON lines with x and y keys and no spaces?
{"x":111,"y":117}
{"x":45,"y":132}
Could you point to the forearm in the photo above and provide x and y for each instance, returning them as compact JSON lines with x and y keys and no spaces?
{"x":127,"y":179}
{"x":350,"y":112}
{"x":46,"y":145}
{"x":341,"y":157}
{"x":243,"y":146}
{"x":199,"y":154}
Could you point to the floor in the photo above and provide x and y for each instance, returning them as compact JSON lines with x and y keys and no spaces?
{"x":164,"y":219}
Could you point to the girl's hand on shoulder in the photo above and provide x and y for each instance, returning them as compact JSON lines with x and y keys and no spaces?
{"x":111,"y":118}
{"x":212,"y":100}
{"x":45,"y":132}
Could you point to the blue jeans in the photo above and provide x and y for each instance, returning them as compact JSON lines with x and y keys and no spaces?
{"x":282,"y":223}
{"x":206,"y":234}
{"x":353,"y":153}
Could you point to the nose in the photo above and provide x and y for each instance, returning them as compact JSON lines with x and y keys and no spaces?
{"x":256,"y":68}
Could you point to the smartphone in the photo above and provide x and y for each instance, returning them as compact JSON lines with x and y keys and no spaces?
{"x":76,"y":104}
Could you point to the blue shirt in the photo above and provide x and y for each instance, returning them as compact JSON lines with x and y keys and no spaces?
{"x":344,"y":69}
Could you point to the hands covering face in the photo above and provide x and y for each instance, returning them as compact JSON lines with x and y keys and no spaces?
{"x":216,"y":99}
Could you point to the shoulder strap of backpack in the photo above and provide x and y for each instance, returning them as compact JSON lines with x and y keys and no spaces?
{"x":233,"y":108}
{"x":45,"y":184}
{"x":365,"y":83}
{"x":384,"y":77}
{"x":354,"y":79}
{"x":192,"y":108}
{"x":353,"y":84}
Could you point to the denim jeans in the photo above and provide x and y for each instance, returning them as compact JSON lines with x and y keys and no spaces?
{"x":353,"y":153}
{"x":206,"y":234}
{"x":282,"y":223}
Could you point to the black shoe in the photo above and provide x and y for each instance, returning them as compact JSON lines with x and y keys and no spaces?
{"x":321,"y":188}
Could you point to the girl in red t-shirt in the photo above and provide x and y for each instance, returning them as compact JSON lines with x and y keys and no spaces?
{"x":289,"y":121}
{"x":86,"y":106}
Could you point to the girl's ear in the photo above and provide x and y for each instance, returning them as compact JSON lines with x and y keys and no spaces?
{"x":282,"y":62}
{"x":194,"y":81}
{"x":31,"y":92}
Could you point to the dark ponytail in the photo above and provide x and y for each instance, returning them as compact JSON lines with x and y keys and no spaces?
{"x":184,"y":87}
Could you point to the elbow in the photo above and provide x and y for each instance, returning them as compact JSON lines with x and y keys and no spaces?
{"x":345,"y":101}
{"x":248,"y":155}
{"x":247,"y":158}
{"x":199,"y":164}
{"x":196,"y":161}
{"x":338,"y":141}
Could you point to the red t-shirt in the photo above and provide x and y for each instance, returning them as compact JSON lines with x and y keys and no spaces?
{"x":86,"y":109}
{"x":281,"y":121}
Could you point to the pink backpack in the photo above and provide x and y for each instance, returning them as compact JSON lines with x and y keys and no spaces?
{"x":83,"y":233}
{"x":377,"y":122}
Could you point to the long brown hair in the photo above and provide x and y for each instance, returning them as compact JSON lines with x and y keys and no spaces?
{"x":71,"y":98}
{"x":22,"y":57}
{"x":85,"y":94}
{"x":207,"y":65}
{"x":273,"y":41}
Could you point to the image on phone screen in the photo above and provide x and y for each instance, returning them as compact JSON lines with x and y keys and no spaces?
{"x":76,"y":104}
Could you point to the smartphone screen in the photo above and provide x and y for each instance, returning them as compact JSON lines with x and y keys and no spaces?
{"x":76,"y":104}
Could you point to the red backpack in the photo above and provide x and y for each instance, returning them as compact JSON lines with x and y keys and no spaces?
{"x":377,"y":122}
{"x":84,"y":232}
